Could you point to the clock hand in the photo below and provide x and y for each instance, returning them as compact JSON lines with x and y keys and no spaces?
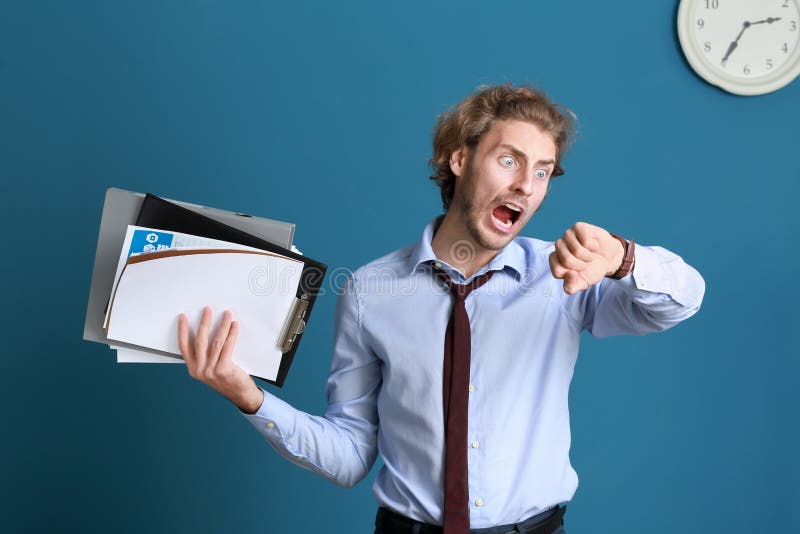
{"x":769,"y":20}
{"x":731,"y":48}
{"x":746,"y":24}
{"x":735,"y":43}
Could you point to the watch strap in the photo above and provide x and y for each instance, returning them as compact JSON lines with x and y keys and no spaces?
{"x":627,"y":258}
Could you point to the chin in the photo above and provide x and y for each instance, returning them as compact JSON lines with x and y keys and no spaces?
{"x":492,"y":239}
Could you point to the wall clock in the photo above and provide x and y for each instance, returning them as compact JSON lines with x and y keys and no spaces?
{"x":745,"y":47}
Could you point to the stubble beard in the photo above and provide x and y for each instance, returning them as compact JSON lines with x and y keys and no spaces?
{"x":471,"y":216}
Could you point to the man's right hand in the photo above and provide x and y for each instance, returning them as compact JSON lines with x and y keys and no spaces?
{"x":212,"y":363}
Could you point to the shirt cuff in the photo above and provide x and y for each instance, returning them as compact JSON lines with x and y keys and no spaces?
{"x":274,"y":418}
{"x":648,"y":274}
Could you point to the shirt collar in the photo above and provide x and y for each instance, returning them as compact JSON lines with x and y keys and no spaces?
{"x":512,"y":255}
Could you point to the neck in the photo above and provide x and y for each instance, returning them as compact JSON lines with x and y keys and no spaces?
{"x":454,"y":245}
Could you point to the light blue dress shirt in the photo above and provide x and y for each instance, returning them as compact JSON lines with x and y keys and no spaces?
{"x":385,"y":385}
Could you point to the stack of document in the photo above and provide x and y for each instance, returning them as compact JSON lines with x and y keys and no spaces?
{"x":157,"y":258}
{"x":161,"y":274}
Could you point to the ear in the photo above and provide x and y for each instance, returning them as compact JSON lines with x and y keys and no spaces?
{"x":458,"y":160}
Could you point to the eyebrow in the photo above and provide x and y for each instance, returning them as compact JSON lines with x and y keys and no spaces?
{"x":520,"y":154}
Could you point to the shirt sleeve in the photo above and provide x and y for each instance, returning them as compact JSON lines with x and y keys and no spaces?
{"x":660,"y":292}
{"x":341,"y":445}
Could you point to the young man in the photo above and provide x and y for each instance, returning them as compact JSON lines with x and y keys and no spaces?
{"x":460,"y":348}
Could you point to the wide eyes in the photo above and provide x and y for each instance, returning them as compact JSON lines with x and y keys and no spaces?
{"x":509,"y":162}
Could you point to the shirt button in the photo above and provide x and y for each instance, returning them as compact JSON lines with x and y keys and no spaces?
{"x":471,"y":388}
{"x":478,"y":502}
{"x":475,"y":444}
{"x":298,"y":457}
{"x":270,"y":425}
{"x":437,"y":264}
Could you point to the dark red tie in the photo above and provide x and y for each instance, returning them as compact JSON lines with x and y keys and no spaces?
{"x":456,"y":406}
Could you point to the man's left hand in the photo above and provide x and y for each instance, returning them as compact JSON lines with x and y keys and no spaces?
{"x":584,"y":255}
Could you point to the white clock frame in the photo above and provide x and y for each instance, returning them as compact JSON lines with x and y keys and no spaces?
{"x":740,"y":85}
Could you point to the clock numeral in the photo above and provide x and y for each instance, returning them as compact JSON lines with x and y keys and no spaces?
{"x":707,"y":46}
{"x":769,"y":64}
{"x":785,"y":48}
{"x":701,"y":23}
{"x":746,"y":70}
{"x":785,"y":3}
{"x":792,"y":25}
{"x":712,"y":4}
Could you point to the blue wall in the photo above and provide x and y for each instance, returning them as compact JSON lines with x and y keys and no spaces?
{"x":321,"y":114}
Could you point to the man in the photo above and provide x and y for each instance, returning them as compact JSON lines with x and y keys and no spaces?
{"x":460,"y":349}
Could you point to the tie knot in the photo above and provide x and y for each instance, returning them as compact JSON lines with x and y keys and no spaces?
{"x":460,"y":291}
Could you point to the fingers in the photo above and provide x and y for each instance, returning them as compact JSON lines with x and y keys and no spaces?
{"x":184,"y":343}
{"x":566,"y":258}
{"x":212,"y":362}
{"x":201,"y":338}
{"x":219,"y":340}
{"x":230,"y":342}
{"x":570,"y":255}
{"x":577,"y":248}
{"x":556,"y":268}
{"x":574,"y":282}
{"x":203,"y":356}
{"x":577,"y":258}
{"x":586,"y":234}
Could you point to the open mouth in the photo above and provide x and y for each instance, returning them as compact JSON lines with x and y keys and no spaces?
{"x":505,"y":216}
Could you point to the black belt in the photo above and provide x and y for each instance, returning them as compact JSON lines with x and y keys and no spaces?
{"x":390,"y":522}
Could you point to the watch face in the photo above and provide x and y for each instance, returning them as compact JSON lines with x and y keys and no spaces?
{"x":748,"y":45}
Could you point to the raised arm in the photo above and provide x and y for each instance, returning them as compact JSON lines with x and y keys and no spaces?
{"x":661,"y":291}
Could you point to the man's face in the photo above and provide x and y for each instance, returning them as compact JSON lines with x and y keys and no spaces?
{"x":502,"y":181}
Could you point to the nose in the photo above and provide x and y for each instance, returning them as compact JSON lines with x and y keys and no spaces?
{"x":524,"y":181}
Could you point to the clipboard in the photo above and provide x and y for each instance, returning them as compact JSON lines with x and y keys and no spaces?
{"x":157,"y":212}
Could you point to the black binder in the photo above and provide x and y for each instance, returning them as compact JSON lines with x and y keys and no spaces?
{"x":162,"y":214}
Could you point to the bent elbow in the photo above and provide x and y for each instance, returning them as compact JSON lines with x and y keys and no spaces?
{"x":350,"y":479}
{"x":356,"y":467}
{"x":661,"y":320}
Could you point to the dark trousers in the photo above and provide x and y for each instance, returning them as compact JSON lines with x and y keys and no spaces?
{"x":548,"y":522}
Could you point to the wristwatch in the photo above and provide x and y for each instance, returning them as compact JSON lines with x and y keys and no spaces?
{"x":627,"y":258}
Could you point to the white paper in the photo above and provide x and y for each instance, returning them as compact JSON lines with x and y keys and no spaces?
{"x":168,"y":240}
{"x":128,"y":355}
{"x":259,"y":288}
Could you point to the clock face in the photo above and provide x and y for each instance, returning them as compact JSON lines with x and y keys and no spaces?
{"x":743,"y":46}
